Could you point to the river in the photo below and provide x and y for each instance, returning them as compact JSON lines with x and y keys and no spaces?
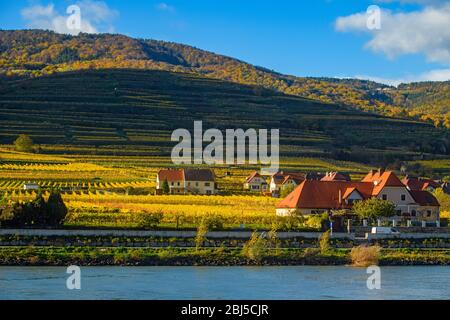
{"x":235,"y":283}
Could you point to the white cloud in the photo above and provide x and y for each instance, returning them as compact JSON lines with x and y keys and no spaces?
{"x":165,"y":7}
{"x":432,"y":75}
{"x":425,"y":31}
{"x":423,"y":2}
{"x":96,"y":17}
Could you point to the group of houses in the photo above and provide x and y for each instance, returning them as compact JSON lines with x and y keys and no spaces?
{"x":316,"y":193}
{"x":411,"y":198}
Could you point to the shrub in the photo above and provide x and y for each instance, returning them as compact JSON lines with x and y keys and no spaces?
{"x":363,"y":256}
{"x":255,"y":248}
{"x":23,"y":143}
{"x":318,"y":221}
{"x":149,"y":220}
{"x":202,"y":230}
{"x":311,"y":252}
{"x":35,"y":213}
{"x":214,"y":222}
{"x":324,"y":242}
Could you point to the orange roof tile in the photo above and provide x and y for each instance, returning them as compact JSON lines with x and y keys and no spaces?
{"x":382,"y":179}
{"x":315,"y":194}
{"x":171,"y":175}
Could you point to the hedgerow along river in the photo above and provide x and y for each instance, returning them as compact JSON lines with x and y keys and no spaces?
{"x":235,"y":283}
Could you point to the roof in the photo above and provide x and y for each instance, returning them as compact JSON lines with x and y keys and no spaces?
{"x":186,"y":175}
{"x":280,"y":177}
{"x":171,"y":175}
{"x":414,"y":183}
{"x":296,"y":179}
{"x":336,"y":176}
{"x":254,"y":175}
{"x":198,"y":175}
{"x":315,"y":194}
{"x":382,"y":179}
{"x":424,"y":198}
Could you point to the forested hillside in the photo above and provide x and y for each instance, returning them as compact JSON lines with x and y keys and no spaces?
{"x":35,"y":53}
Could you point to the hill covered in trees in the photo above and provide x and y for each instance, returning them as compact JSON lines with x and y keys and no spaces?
{"x":33,"y":53}
{"x":133,"y":112}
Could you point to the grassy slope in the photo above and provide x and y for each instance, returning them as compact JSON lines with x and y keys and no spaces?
{"x":133,"y":112}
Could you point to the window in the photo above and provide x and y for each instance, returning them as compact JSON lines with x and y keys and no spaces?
{"x":196,"y":184}
{"x":403,"y":197}
{"x":178,"y":184}
{"x":384,"y":196}
{"x":413,"y":213}
{"x":428,"y":213}
{"x":171,"y":183}
{"x":189,"y":184}
{"x":255,"y":187}
{"x":398,"y":212}
{"x":207,"y":184}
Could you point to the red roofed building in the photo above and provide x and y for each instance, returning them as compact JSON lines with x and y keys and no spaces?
{"x":184,"y":181}
{"x":315,"y":197}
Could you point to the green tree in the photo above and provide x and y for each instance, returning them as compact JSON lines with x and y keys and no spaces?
{"x":3,"y":200}
{"x":324,"y":242}
{"x":255,"y":248}
{"x":24,"y":144}
{"x":56,"y":210}
{"x":150,"y":220}
{"x":374,"y":208}
{"x":443,"y":198}
{"x":285,"y":190}
{"x":165,"y":187}
{"x":202,"y":230}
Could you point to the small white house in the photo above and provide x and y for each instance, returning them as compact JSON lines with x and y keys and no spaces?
{"x":31,"y":186}
{"x":256,"y":183}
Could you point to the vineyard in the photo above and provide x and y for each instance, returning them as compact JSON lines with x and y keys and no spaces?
{"x":105,"y":209}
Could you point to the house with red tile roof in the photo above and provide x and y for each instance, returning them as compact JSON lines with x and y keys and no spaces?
{"x":187,"y":181}
{"x":256,"y":183}
{"x":315,"y":197}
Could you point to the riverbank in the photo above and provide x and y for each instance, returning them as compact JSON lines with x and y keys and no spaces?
{"x":94,"y":256}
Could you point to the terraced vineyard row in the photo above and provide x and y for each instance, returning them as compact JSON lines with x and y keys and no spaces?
{"x":131,"y":112}
{"x":74,"y":186}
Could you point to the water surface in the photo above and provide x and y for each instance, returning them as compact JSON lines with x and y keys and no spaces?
{"x":235,"y":283}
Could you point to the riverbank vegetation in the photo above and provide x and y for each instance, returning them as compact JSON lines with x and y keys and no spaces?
{"x":83,"y":256}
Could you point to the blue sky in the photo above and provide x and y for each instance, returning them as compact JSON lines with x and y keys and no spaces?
{"x":299,"y":37}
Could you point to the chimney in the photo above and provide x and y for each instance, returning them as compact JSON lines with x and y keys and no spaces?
{"x":380,"y":171}
{"x":340,"y":196}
